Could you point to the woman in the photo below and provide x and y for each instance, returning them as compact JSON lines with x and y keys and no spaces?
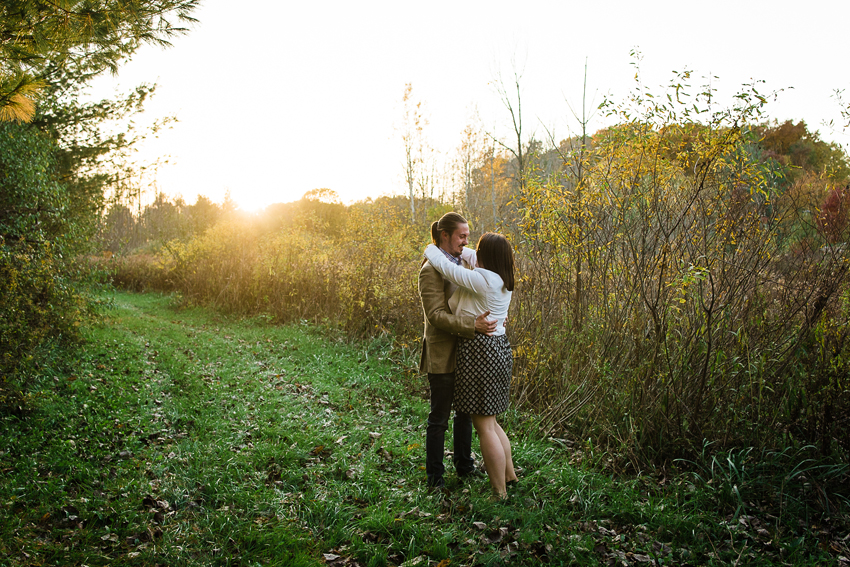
{"x":484,"y":364}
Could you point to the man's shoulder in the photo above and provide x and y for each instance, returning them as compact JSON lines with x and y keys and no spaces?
{"x":430,"y":278}
{"x":428,"y":270}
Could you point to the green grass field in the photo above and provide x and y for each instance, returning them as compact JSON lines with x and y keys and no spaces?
{"x":181,"y":437}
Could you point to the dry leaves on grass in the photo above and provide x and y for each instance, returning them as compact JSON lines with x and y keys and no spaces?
{"x":336,"y":558}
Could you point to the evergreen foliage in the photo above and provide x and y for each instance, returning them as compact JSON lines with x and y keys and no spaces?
{"x":40,"y":42}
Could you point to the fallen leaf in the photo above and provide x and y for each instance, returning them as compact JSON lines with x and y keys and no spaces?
{"x":411,"y":511}
{"x":479,"y":525}
{"x":421,"y":561}
{"x":662,"y":548}
{"x":600,"y":549}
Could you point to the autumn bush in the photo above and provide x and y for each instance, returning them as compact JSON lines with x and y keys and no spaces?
{"x":665,"y":299}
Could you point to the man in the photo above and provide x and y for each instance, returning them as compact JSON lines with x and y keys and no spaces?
{"x":439,"y":345}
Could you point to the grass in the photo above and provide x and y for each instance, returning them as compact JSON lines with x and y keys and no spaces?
{"x":183,"y":437}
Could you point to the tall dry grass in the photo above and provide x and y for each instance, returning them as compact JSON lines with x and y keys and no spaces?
{"x":353,"y":271}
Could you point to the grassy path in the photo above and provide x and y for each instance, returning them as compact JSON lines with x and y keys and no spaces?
{"x":179,"y":437}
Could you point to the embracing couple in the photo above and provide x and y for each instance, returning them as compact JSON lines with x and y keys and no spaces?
{"x":465,"y":296}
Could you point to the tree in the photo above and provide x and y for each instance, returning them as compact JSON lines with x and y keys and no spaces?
{"x":32,"y":200}
{"x":118,"y":228}
{"x":161,"y":219}
{"x":320,"y":210}
{"x":37,"y":300}
{"x":229,"y":206}
{"x":843,"y":110}
{"x":575,"y":156}
{"x":513,"y":104}
{"x":483,"y":186}
{"x":798,"y":149}
{"x":41,"y":41}
{"x":323,"y":195}
{"x":833,"y":219}
{"x":202,"y":215}
{"x":415,"y":146}
{"x":470,"y":157}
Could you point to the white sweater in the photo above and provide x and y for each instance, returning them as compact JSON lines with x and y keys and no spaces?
{"x":479,"y":290}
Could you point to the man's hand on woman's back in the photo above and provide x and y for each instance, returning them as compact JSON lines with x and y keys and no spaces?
{"x":483,"y":325}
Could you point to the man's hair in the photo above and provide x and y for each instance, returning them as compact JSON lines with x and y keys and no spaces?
{"x":495,"y":254}
{"x":447,"y":222}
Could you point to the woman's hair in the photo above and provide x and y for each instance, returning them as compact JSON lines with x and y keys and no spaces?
{"x":447,"y":222}
{"x":495,"y":254}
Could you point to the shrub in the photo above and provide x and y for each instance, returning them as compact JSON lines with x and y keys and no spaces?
{"x":38,"y":301}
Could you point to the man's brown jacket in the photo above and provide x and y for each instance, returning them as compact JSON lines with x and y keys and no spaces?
{"x":439,"y":345}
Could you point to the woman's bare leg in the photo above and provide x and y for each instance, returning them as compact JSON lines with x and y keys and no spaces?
{"x":510,"y":474}
{"x":492,"y":451}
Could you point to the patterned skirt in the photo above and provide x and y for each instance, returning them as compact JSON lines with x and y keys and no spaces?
{"x":483,"y":376}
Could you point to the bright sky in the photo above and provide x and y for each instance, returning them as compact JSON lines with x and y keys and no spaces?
{"x":277,"y":98}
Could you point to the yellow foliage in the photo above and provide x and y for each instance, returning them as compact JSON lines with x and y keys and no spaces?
{"x":19,"y":106}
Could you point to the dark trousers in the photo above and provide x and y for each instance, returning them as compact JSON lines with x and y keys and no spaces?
{"x":442,"y":392}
